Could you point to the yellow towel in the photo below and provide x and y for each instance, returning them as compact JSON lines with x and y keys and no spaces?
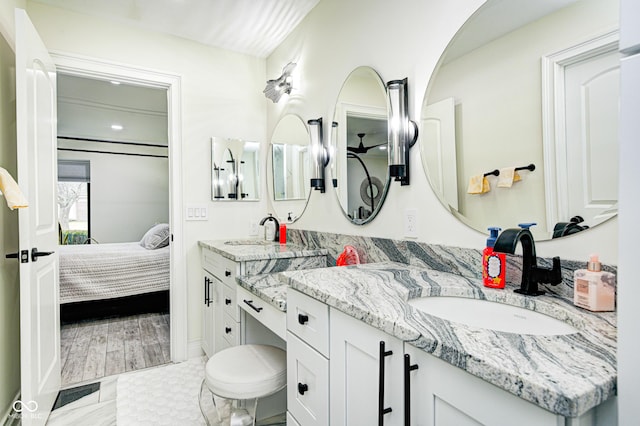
{"x":478,"y":184}
{"x":507,"y":177}
{"x":14,"y":196}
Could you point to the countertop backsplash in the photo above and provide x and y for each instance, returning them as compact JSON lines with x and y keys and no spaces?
{"x":463,"y":261}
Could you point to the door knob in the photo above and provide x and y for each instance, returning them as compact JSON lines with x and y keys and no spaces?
{"x":35,"y":254}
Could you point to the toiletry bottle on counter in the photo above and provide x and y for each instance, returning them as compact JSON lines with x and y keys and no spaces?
{"x":283,"y":233}
{"x":493,"y":263}
{"x":269,"y":231}
{"x":593,"y":288}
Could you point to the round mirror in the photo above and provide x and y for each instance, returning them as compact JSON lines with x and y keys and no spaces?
{"x":519,"y":121}
{"x":359,"y":163}
{"x":235,"y":174}
{"x":288,"y":165}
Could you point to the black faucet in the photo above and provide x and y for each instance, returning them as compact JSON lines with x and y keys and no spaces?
{"x":531,"y":273}
{"x":277,"y":233}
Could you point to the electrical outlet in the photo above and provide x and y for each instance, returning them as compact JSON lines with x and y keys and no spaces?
{"x":254,"y":229}
{"x":411,"y":223}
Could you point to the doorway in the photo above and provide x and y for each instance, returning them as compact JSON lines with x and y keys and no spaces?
{"x":169,"y":85}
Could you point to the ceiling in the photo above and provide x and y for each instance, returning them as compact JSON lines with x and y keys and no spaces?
{"x":253,"y":27}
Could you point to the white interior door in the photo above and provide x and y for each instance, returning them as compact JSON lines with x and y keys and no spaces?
{"x":591,"y":96}
{"x":39,"y":312}
{"x":439,"y":131}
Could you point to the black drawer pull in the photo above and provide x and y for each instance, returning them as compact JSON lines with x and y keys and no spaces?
{"x":227,"y":301}
{"x":302,"y":319}
{"x":302,"y":388}
{"x":381,"y":409}
{"x":227,"y":273}
{"x":227,"y":330}
{"x":408,"y":368}
{"x":252,"y":306}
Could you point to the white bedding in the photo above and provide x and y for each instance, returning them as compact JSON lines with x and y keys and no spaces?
{"x":105,"y":271}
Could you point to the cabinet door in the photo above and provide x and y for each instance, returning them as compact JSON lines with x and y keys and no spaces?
{"x":444,"y":395}
{"x":357,"y":395}
{"x":307,"y":383}
{"x":208,"y":315}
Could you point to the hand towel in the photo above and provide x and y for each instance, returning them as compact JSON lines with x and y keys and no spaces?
{"x":507,"y":177}
{"x":12,"y":193}
{"x":478,"y":184}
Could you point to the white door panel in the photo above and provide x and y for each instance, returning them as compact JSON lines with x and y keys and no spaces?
{"x":38,"y":230}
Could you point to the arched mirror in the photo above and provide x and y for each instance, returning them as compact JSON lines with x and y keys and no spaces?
{"x":289,"y":168}
{"x":519,"y":120}
{"x":359,"y":164}
{"x":235,"y":174}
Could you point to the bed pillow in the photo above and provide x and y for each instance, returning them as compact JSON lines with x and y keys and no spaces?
{"x":156,"y":237}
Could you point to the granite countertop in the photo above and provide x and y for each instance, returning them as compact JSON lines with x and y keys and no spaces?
{"x":246,"y":250}
{"x":565,"y":374}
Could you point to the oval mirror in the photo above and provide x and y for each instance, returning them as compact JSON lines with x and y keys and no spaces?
{"x":234,"y":173}
{"x":519,"y":120}
{"x":289,"y":168}
{"x":359,"y":163}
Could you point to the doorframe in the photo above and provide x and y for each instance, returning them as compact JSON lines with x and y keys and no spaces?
{"x":83,"y":66}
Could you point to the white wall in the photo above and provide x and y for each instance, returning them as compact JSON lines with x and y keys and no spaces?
{"x":221,"y":96}
{"x":405,"y":40}
{"x":129,"y":194}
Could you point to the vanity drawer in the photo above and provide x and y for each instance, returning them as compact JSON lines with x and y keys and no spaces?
{"x":222,"y":268}
{"x":269,"y":316}
{"x":307,"y":383}
{"x":229,"y":302}
{"x":230,"y":331}
{"x":308,"y":319}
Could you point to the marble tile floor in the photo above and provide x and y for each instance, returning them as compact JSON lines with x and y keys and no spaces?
{"x":99,"y":348}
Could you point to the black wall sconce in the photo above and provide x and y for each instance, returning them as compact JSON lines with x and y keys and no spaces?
{"x":319,"y":154}
{"x":402,"y":132}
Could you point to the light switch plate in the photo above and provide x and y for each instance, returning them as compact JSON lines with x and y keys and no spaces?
{"x":411,"y":223}
{"x":197,"y":212}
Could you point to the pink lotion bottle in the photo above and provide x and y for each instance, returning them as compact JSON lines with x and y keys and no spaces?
{"x":593,"y":288}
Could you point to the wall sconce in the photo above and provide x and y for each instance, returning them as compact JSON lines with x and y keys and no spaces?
{"x":403,"y":132}
{"x":319,"y":154}
{"x":283,"y":84}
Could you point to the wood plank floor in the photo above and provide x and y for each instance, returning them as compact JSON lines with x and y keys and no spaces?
{"x":98,"y":348}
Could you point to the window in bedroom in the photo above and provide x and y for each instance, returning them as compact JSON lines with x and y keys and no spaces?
{"x":74,"y":183}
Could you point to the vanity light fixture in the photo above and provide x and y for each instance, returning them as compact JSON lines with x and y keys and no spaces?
{"x":283,"y":84}
{"x":402,"y":132}
{"x":319,"y":154}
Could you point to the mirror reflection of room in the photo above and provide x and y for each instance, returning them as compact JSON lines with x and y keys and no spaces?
{"x":234,"y":169}
{"x":554,"y":104}
{"x":359,"y":136}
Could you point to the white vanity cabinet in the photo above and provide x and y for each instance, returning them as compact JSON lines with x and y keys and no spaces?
{"x":307,"y":360}
{"x":366,"y":374}
{"x":221,"y":315}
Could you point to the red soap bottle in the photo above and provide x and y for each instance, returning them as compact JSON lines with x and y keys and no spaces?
{"x":283,"y":233}
{"x":493,"y":263}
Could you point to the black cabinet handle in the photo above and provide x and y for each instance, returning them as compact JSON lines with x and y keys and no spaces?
{"x":302,"y":388}
{"x":35,"y":254}
{"x":206,"y":290}
{"x":381,"y":409}
{"x":251,"y":305}
{"x":408,"y":368}
{"x":227,"y":330}
{"x":227,"y":301}
{"x":227,"y":273}
{"x":302,"y":319}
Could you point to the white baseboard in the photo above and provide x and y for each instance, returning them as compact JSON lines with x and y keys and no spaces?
{"x":195,"y":349}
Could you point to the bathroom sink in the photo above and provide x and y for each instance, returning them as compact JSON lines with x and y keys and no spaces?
{"x":249,"y":243}
{"x":491,"y":315}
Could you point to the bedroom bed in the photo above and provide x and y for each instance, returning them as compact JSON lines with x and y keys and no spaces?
{"x":106,"y":271}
